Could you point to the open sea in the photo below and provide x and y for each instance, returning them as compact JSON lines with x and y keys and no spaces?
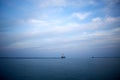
{"x":60,"y":69}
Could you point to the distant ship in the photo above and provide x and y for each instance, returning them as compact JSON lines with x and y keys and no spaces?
{"x":63,"y":56}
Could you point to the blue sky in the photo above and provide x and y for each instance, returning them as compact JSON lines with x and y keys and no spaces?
{"x":74,"y":27}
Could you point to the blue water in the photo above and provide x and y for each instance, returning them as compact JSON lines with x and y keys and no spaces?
{"x":60,"y":69}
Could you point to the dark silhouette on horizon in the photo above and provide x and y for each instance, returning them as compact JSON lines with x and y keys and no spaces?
{"x":63,"y":57}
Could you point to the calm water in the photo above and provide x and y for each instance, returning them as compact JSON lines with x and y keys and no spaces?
{"x":60,"y":69}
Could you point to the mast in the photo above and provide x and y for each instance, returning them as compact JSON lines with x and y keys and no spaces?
{"x":62,"y":55}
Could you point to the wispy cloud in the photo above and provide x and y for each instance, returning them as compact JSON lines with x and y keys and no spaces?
{"x":81,"y":16}
{"x":98,"y":37}
{"x":111,"y":7}
{"x":54,"y":3}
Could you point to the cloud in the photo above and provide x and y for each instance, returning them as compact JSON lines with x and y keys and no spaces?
{"x":81,"y":16}
{"x":98,"y":22}
{"x":54,"y":3}
{"x":44,"y":26}
{"x":65,"y":3}
{"x":104,"y":37}
{"x":107,"y":19}
{"x":112,"y":19}
{"x":41,"y":28}
{"x":97,"y":19}
{"x":111,"y":7}
{"x":35,"y":21}
{"x":87,"y":39}
{"x":111,"y":2}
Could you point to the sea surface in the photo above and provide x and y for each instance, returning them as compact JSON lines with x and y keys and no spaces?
{"x":60,"y":69}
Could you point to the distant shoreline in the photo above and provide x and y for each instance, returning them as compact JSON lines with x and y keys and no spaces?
{"x":105,"y":57}
{"x":30,"y":57}
{"x":45,"y":57}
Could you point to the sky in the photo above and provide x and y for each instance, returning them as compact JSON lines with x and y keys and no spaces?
{"x":51,"y":27}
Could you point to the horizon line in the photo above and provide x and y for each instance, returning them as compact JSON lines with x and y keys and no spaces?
{"x":30,"y":57}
